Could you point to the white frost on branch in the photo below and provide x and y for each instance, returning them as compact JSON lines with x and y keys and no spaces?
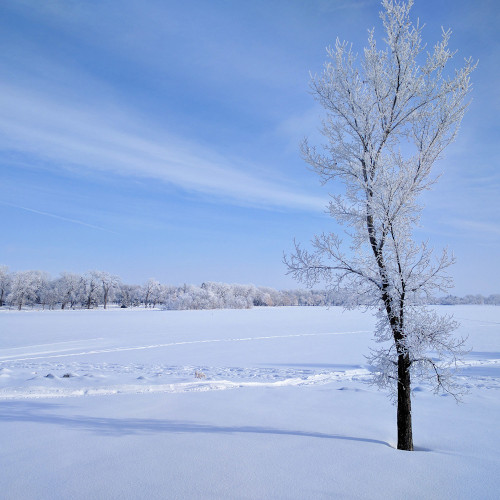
{"x":433,"y":351}
{"x":389,"y":116}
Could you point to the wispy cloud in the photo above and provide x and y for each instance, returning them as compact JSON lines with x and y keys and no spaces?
{"x":55,"y":216}
{"x":328,"y":6}
{"x":115,"y":141}
{"x":491,"y":229}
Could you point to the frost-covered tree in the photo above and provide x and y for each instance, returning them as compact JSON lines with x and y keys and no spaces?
{"x":389,"y":116}
{"x":152,"y":291}
{"x":25,"y":288}
{"x":69,"y":289}
{"x":129,"y":295}
{"x":4,"y":283}
{"x":90,"y":289}
{"x":46,"y":295}
{"x":109,"y":284}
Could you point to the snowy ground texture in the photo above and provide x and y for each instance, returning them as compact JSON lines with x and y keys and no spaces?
{"x":106,"y":404}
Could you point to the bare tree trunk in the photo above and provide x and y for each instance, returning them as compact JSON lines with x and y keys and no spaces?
{"x":405,"y":434}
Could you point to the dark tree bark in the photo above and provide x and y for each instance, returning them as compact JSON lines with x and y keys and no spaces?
{"x":405,"y":434}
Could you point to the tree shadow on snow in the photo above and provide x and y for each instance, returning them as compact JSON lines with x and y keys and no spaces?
{"x":43,"y":413}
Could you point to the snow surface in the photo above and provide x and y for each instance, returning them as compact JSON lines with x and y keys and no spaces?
{"x":105,"y":404}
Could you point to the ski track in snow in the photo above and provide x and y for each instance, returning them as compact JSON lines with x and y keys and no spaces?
{"x":49,"y":354}
{"x":23,"y":376}
{"x":53,"y":344}
{"x":26,"y":376}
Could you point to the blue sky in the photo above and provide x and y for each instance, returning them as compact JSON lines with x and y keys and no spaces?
{"x":160,"y":138}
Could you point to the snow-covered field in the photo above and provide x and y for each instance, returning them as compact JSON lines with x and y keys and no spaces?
{"x":105,"y":404}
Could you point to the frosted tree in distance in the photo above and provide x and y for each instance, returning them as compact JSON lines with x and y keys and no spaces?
{"x":388,"y":119}
{"x":109,"y":284}
{"x":90,"y":288}
{"x":69,"y":288}
{"x":4,"y":283}
{"x":25,"y":288}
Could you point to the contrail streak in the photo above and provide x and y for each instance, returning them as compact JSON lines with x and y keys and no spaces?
{"x":60,"y":217}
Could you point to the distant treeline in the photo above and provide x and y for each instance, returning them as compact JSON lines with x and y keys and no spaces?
{"x":453,"y":300}
{"x":99,"y":288}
